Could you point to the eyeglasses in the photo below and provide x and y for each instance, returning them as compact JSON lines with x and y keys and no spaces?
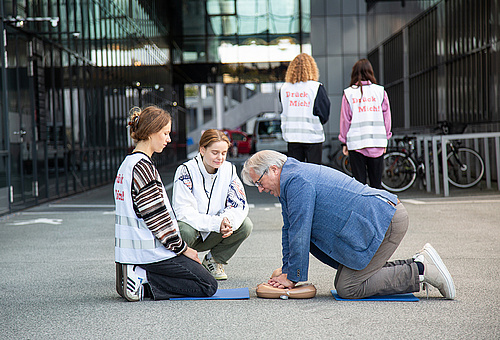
{"x":257,"y":182}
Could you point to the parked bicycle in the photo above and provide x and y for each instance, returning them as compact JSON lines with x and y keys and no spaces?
{"x":465,"y":166}
{"x":338,"y":160}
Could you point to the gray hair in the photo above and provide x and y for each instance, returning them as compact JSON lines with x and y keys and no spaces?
{"x":260,"y":162}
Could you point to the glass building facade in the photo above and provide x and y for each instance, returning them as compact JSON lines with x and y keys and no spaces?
{"x":443,"y":65}
{"x":73,"y":69}
{"x":71,"y":72}
{"x":239,"y":41}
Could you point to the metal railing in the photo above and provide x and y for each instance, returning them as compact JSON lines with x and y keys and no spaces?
{"x":437,"y":164}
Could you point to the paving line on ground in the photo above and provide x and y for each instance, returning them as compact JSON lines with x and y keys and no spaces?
{"x":472,"y":201}
{"x":264,"y":206}
{"x":100,"y":206}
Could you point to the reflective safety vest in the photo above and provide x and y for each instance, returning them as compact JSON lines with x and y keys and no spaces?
{"x":367,"y":125}
{"x":298,"y":123}
{"x":134,"y":242}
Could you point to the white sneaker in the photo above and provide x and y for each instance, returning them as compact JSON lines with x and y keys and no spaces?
{"x":134,"y":290}
{"x":435,"y":272}
{"x":216,"y":269}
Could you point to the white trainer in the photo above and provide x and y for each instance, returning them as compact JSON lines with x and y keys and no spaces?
{"x":134,"y":290}
{"x":216,"y":269}
{"x":435,"y":272}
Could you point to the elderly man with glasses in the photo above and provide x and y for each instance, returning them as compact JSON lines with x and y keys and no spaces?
{"x":346,"y":225}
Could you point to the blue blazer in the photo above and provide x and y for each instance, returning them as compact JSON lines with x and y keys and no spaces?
{"x":332,"y":215}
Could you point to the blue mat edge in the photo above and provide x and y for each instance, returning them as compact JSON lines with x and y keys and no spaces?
{"x":408,"y":297}
{"x":222,"y":294}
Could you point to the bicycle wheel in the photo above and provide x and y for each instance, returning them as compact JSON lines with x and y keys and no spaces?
{"x":399,"y":173}
{"x":346,"y":165}
{"x":465,"y":168}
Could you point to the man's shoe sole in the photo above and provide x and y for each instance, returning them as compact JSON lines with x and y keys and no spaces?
{"x":442,"y":269}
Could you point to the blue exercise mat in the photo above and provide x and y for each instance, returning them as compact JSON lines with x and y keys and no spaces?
{"x":409,"y":297}
{"x":222,"y":294}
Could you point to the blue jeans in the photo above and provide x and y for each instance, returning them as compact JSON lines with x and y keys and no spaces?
{"x":177,"y":277}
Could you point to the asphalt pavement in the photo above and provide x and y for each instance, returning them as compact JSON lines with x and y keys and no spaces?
{"x":58,"y":278}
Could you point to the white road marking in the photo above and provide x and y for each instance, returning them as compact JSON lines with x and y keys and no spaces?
{"x":112,"y":206}
{"x":472,"y":201}
{"x":54,"y":221}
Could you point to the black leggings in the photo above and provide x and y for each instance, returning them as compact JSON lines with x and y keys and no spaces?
{"x":360,"y":165}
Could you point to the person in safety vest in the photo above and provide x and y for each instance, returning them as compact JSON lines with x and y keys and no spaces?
{"x":159,"y":263}
{"x":365,"y":124}
{"x":306,"y":108}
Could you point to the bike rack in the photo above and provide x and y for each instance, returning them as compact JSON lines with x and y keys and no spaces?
{"x":443,"y":139}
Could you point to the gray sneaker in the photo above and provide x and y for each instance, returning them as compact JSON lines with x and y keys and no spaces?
{"x":435,"y":272}
{"x":216,"y":269}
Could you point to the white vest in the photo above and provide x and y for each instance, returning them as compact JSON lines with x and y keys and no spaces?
{"x":298,"y":123}
{"x":134,"y":242}
{"x":212,"y":202}
{"x":367,"y":125}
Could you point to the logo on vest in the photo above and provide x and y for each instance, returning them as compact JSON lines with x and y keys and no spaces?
{"x":369,"y":108}
{"x":119,"y":179}
{"x":363,"y":100}
{"x":120,"y":195}
{"x":298,"y":102}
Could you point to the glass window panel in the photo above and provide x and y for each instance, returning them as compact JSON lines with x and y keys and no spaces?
{"x":223,"y":25}
{"x":306,"y":16}
{"x":306,"y":45}
{"x":10,"y":50}
{"x":194,"y":50}
{"x":43,"y":8}
{"x":8,"y":7}
{"x":3,"y":117}
{"x":216,"y":7}
{"x":4,"y":203}
{"x":63,"y":25}
{"x":251,"y":25}
{"x":254,"y":7}
{"x":213,"y":49}
{"x":193,"y":17}
{"x":284,"y":8}
{"x":284,"y":24}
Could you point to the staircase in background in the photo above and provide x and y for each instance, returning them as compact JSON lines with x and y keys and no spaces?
{"x":238,"y":115}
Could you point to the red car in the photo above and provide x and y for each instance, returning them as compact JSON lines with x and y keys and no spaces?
{"x":242,"y":142}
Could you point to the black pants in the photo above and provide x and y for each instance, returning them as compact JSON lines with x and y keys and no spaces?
{"x":177,"y":277}
{"x":360,"y":165}
{"x":306,"y":152}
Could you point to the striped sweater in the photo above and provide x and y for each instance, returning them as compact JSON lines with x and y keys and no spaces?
{"x":147,"y":197}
